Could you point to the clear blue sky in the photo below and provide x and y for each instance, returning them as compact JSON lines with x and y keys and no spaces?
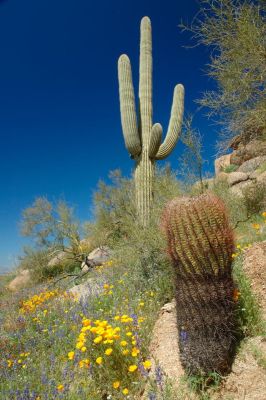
{"x":59,"y":111}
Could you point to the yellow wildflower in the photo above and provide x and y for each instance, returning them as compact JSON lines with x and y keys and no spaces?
{"x":116,"y":384}
{"x":84,"y":363}
{"x":132,"y":368}
{"x":71,"y":355}
{"x":108,"y":351}
{"x":256,"y":226}
{"x":123,"y":343}
{"x":135,"y":352}
{"x":125,"y":391}
{"x":147,"y":364}
{"x":99,"y":360}
{"x":236,"y":294}
{"x":60,"y":387}
{"x":125,"y":352}
{"x":98,"y":339}
{"x":86,"y":322}
{"x":83,"y":349}
{"x":79,"y":345}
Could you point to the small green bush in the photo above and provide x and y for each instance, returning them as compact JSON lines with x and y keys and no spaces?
{"x":249,"y":314}
{"x":37,"y":262}
{"x":262,"y":168}
{"x":230,"y":168}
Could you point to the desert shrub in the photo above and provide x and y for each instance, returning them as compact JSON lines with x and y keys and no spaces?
{"x":262,"y":168}
{"x":249,"y":314}
{"x":244,"y":208}
{"x":52,"y":227}
{"x":140,"y":249}
{"x":37,"y":260}
{"x":230,"y":168}
{"x":254,"y":198}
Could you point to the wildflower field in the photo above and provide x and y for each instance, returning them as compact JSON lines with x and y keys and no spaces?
{"x":55,"y":346}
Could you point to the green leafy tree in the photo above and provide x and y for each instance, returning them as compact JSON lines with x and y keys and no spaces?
{"x":191,"y":161}
{"x":51,"y":226}
{"x":235,"y":32}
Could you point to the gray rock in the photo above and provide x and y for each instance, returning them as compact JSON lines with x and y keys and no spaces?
{"x":261,"y":178}
{"x":238,"y":188}
{"x":96,"y":257}
{"x":252,"y":165}
{"x":245,"y":152}
{"x":221,"y":163}
{"x":236,"y":177}
{"x":59,"y":258}
{"x":87,"y":289}
{"x":20,"y":281}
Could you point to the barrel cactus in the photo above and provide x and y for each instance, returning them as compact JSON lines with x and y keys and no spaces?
{"x":142,"y":138}
{"x":200,"y":244}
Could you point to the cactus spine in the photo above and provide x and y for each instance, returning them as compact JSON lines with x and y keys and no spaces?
{"x":200,"y":243}
{"x":142,"y":138}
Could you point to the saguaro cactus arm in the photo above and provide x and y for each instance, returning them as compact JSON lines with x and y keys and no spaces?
{"x":128,"y":107}
{"x":175,"y":124}
{"x":155,"y":141}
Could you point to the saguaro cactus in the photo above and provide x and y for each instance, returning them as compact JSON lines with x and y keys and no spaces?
{"x":142,"y":138}
{"x":200,"y":243}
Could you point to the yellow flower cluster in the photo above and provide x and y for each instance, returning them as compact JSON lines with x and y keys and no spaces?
{"x":239,"y":249}
{"x":106,"y":264}
{"x":101,"y":341}
{"x":31,"y":304}
{"x":259,"y":227}
{"x":21,"y":360}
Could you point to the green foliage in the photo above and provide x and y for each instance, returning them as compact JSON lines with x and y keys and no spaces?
{"x":235,"y":32}
{"x":230,"y":168}
{"x":191,"y":162}
{"x":51,"y":226}
{"x":116,"y":224}
{"x":262,"y":168}
{"x":37,"y":260}
{"x":249,"y":314}
{"x":241,"y":209}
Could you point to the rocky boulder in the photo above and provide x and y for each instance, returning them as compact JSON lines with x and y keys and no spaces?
{"x":236,"y":177}
{"x":252,"y":164}
{"x":221,"y":163}
{"x":97,"y":257}
{"x":20,"y":281}
{"x":87,"y":289}
{"x":254,"y":148}
{"x":59,"y":258}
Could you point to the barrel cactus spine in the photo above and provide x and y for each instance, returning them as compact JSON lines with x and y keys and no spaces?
{"x":142,"y":138}
{"x":200,"y":244}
